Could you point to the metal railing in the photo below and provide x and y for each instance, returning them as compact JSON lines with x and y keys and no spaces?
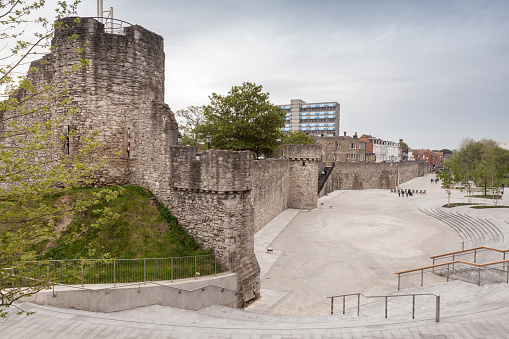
{"x":473,"y":251}
{"x":497,"y":271}
{"x":386,"y":297}
{"x":113,"y":271}
{"x":180,"y":289}
{"x":113,"y":26}
{"x":326,"y":177}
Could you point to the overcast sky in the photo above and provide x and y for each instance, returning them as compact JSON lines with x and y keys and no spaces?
{"x":430,"y":72}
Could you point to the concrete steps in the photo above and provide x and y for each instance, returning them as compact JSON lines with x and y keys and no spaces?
{"x":458,"y":298}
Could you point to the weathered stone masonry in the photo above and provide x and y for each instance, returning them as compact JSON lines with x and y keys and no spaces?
{"x":217,"y":198}
{"x":355,"y":176}
{"x":211,"y":198}
{"x":290,"y":182}
{"x":120,"y":95}
{"x":220,"y":198}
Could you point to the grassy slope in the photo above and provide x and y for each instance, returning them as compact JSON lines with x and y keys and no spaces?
{"x":143,"y":230}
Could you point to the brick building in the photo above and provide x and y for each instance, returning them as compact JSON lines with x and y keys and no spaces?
{"x":384,"y":150}
{"x":342,"y":149}
{"x":435,"y":159}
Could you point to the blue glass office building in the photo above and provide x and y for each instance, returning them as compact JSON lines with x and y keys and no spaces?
{"x":319,"y":118}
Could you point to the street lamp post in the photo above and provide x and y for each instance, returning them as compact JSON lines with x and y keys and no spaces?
{"x":209,"y":138}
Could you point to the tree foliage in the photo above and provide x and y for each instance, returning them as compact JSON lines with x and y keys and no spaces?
{"x":188,"y":120}
{"x":36,"y":162}
{"x":297,"y":138}
{"x":477,"y":164}
{"x":244,"y":119}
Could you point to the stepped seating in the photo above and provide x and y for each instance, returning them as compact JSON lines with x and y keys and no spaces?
{"x":456,"y":299}
{"x":474,"y":232}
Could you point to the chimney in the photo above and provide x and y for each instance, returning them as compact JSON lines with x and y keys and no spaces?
{"x":355,"y":135}
{"x":344,"y":133}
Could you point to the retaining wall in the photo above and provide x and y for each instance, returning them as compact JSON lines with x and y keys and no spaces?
{"x":189,"y":294}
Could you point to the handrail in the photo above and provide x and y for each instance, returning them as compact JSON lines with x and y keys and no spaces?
{"x":437,"y":298}
{"x":448,"y":264}
{"x":322,"y":185}
{"x":82,"y":287}
{"x":453,"y":262}
{"x":469,"y":250}
{"x":139,"y":287}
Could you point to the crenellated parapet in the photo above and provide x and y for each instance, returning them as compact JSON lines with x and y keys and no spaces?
{"x":302,"y":152}
{"x":213,"y":171}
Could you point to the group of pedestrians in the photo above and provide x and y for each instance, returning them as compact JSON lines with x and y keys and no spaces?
{"x":435,"y":180}
{"x":407,"y":192}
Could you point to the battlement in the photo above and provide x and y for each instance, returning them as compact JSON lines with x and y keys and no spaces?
{"x":214,"y":170}
{"x":302,"y":152}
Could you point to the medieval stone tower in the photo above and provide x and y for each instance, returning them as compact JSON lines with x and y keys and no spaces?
{"x":119,"y":98}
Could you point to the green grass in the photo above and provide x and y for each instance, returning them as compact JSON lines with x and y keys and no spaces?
{"x":143,"y":230}
{"x":456,"y":204}
{"x":482,"y":207}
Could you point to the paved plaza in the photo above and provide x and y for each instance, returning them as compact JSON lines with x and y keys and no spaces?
{"x":353,"y":242}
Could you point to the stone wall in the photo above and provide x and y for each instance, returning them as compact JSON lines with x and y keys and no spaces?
{"x":270,"y":190}
{"x":357,"y":176}
{"x":119,"y":98}
{"x":211,"y":196}
{"x":412,"y":169}
{"x":119,"y":94}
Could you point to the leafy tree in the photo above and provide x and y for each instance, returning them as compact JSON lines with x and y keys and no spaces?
{"x":244,"y":119}
{"x":464,"y":142}
{"x":188,"y":141}
{"x":489,"y":143}
{"x":494,"y":163}
{"x":188,"y":120}
{"x":447,"y":178}
{"x":481,"y":164}
{"x":35,"y":174}
{"x":297,"y":138}
{"x":468,"y":158}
